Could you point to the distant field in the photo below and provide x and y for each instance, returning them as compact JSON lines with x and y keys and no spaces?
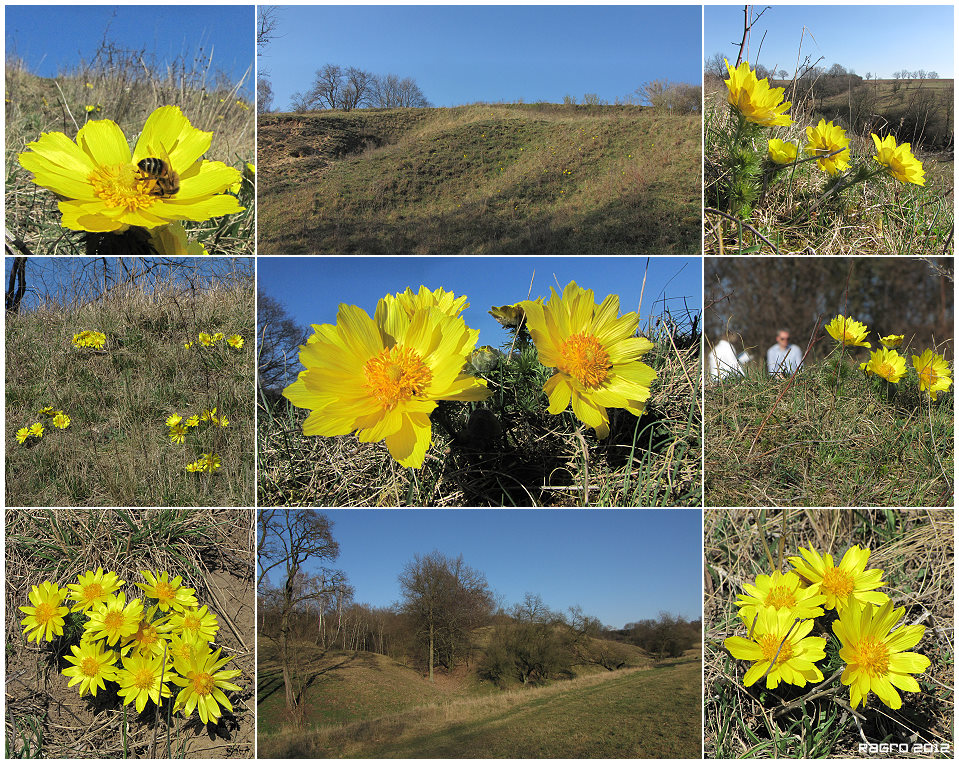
{"x":500,"y":179}
{"x":372,"y":707}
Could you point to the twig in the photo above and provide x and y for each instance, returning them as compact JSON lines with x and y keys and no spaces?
{"x":743,"y":223}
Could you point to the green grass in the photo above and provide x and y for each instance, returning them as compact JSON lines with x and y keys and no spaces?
{"x":126,"y":86}
{"x":648,"y":713}
{"x":499,"y":179}
{"x":825,"y":443}
{"x":912,"y":547}
{"x":116,"y":450}
{"x":543,"y":460}
{"x":211,"y":551}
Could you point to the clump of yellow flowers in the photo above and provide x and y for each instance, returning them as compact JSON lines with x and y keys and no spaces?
{"x":208,"y":340}
{"x":779,"y":611}
{"x":33,"y":433}
{"x":89,"y":339}
{"x":144,"y":648}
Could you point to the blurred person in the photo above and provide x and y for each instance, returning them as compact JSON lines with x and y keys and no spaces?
{"x":723,"y":361}
{"x":783,"y":358}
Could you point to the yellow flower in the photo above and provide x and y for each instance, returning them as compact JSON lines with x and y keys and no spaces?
{"x":217,"y":337}
{"x":93,"y":589}
{"x":781,"y":591}
{"x":89,"y":339}
{"x":934,"y":372}
{"x":205,"y":339}
{"x":61,"y":421}
{"x":844,"y":584}
{"x":47,"y":411}
{"x":193,"y":421}
{"x":173,"y":420}
{"x":171,"y":240}
{"x":203,"y":684}
{"x":445,"y":301}
{"x":143,"y":678}
{"x":848,"y":331}
{"x":874,"y":653}
{"x":150,"y":636}
{"x":236,"y":341}
{"x":777,"y":643}
{"x":188,"y":345}
{"x":754,"y":99}
{"x":36,"y":429}
{"x":22,"y":434}
{"x":91,"y":668}
{"x":195,"y":624}
{"x":825,"y":138}
{"x":892,"y":340}
{"x":886,"y":363}
{"x":113,"y":619}
{"x":595,"y":352}
{"x":782,"y":152}
{"x":178,"y":433}
{"x":45,"y":613}
{"x":898,"y":160}
{"x":384,"y":377}
{"x":170,"y":595}
{"x":208,"y":415}
{"x":102,"y":188}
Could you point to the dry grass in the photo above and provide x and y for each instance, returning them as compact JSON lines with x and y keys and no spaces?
{"x":627,"y":713}
{"x":116,"y":451}
{"x":827,"y":445}
{"x":880,"y":217}
{"x":543,"y":461}
{"x":480,"y":179}
{"x":126,"y":86}
{"x":913,"y":547}
{"x":213,"y":552}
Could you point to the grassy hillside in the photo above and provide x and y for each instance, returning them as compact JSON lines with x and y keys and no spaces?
{"x":368,"y":706}
{"x":499,"y":179}
{"x":116,"y":450}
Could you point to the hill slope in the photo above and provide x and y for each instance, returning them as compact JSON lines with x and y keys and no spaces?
{"x":537,"y":179}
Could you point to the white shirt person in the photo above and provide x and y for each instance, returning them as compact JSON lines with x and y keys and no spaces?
{"x":783,"y":358}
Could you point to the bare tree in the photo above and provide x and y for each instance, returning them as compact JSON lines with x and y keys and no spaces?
{"x":356,"y":89}
{"x":290,"y":538}
{"x":264,"y":94}
{"x":267,"y":23}
{"x":279,"y":340}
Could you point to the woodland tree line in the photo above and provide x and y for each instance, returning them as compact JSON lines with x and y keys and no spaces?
{"x":445,"y":605}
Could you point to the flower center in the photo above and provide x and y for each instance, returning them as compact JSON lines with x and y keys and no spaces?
{"x":90,"y":666}
{"x":885,"y":370}
{"x":928,"y":376}
{"x":113,"y":621}
{"x":396,"y":375}
{"x":147,"y":634}
{"x":164,"y":591}
{"x":837,"y":582}
{"x":44,"y":612}
{"x":144,"y":678}
{"x":191,"y":622}
{"x":872,"y":656}
{"x":583,"y":357}
{"x":770,"y":646}
{"x":780,"y":597}
{"x":203,"y":684}
{"x":92,"y":592}
{"x":121,"y":185}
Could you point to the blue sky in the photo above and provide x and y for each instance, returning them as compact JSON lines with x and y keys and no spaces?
{"x":462,"y":54}
{"x":881,"y":39}
{"x":618,"y":565}
{"x":52,"y":39}
{"x":311,"y":288}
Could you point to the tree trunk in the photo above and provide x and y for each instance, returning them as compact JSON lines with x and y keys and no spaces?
{"x":285,"y":661}
{"x":431,"y":651}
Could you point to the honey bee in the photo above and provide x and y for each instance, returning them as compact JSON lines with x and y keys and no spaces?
{"x":165,"y":181}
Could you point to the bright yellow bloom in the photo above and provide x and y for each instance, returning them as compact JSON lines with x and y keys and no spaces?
{"x":223,"y":420}
{"x":892,"y":340}
{"x":934,"y":372}
{"x":61,"y":421}
{"x":47,"y":411}
{"x":143,"y":678}
{"x":206,"y":463}
{"x":780,"y":645}
{"x":195,"y":624}
{"x":874,"y":653}
{"x":754,"y":99}
{"x":171,"y":240}
{"x":447,"y":302}
{"x":208,"y":415}
{"x":113,"y":619}
{"x":235,"y":341}
{"x":170,"y":595}
{"x":848,"y":331}
{"x":782,"y":152}
{"x":205,"y":339}
{"x":102,"y":188}
{"x":150,"y":636}
{"x":93,"y":589}
{"x":178,"y":433}
{"x":825,"y":138}
{"x":36,"y":429}
{"x":844,"y":584}
{"x":203,"y":684}
{"x":384,"y":377}
{"x":188,"y":345}
{"x":89,"y":339}
{"x":173,"y":420}
{"x":886,"y":363}
{"x":91,"y":668}
{"x":898,"y":160}
{"x":22,"y":434}
{"x":45,"y":615}
{"x":193,"y":421}
{"x":781,"y":591}
{"x":595,"y":352}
